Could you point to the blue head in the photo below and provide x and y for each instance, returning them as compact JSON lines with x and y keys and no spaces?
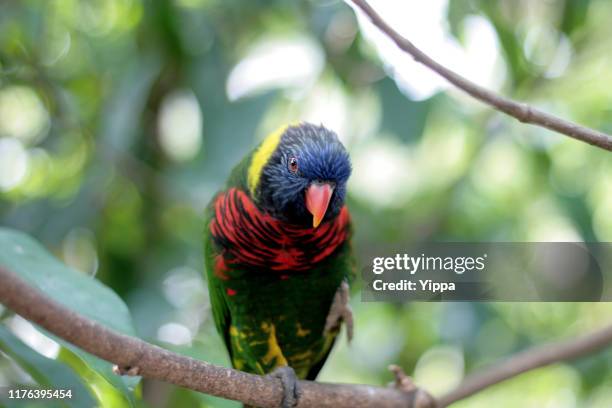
{"x":304,"y":179}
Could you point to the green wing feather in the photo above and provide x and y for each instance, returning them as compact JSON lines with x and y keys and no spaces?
{"x":220,"y":309}
{"x":221,"y":312}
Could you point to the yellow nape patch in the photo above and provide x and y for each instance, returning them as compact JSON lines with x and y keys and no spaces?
{"x":274,"y":351}
{"x":261,"y":157}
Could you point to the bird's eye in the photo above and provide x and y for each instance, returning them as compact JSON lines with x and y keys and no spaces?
{"x":292,"y":164}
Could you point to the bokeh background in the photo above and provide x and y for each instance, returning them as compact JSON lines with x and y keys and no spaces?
{"x":119,"y":119}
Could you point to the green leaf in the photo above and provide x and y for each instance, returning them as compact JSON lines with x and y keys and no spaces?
{"x":520,"y":69}
{"x":574,"y":15}
{"x":402,"y":117}
{"x":85,"y":295}
{"x":107,"y":394}
{"x":45,"y":371}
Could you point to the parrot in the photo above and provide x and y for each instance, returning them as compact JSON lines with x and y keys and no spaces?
{"x":278,"y":258}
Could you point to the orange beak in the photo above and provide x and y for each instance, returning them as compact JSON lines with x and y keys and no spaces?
{"x":317,"y":200}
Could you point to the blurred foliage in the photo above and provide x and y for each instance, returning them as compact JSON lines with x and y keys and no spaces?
{"x":119,"y":119}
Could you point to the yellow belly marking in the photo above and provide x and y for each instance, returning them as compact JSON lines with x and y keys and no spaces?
{"x":302,"y":332}
{"x":235,"y":335}
{"x":274,"y":351}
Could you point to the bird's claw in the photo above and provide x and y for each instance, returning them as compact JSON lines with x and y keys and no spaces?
{"x":340,"y":311}
{"x":289,"y":381}
{"x":126,"y":370}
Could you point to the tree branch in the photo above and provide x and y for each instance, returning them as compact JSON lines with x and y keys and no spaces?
{"x":528,"y":360}
{"x":154,"y":362}
{"x":521,"y":111}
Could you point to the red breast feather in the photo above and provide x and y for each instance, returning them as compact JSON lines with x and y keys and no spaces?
{"x":251,"y":239}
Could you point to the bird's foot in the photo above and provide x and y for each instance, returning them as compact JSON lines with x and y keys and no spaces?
{"x":126,"y":370}
{"x":291,"y":391}
{"x":339,"y":312}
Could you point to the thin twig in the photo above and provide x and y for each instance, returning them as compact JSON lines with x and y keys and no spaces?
{"x":134,"y":355}
{"x":521,"y":111}
{"x":528,"y":360}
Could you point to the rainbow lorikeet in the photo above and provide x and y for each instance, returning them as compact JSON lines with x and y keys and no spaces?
{"x":277,"y":253}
